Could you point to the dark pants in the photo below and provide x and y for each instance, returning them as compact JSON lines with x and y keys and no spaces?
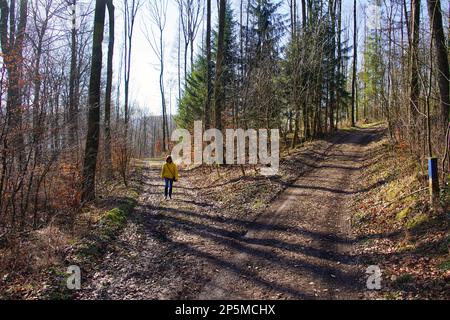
{"x":168,"y":187}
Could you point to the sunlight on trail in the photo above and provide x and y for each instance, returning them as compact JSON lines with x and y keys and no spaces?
{"x":148,"y":162}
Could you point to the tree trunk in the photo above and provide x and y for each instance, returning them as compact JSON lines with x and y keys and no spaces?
{"x":414,"y":86}
{"x":355,"y":62}
{"x":12,"y":47}
{"x":218,"y":90}
{"x":434,"y":10}
{"x":108,"y":93}
{"x":303,"y":14}
{"x":179,"y":57}
{"x":333,"y":82}
{"x":339,"y":63}
{"x":163,"y":97}
{"x":37,"y":123}
{"x":73,"y":99}
{"x":209,"y":69}
{"x":92,"y":139}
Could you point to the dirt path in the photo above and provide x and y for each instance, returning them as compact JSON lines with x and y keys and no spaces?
{"x":304,"y":240}
{"x":299,"y":248}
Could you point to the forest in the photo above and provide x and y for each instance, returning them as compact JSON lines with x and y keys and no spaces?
{"x":76,"y":139}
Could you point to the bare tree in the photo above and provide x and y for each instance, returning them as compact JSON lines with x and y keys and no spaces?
{"x":41,"y":12}
{"x":355,"y":62}
{"x":131,"y":8}
{"x":218,"y":87}
{"x":414,"y":86}
{"x":207,"y":117}
{"x":12,"y":46}
{"x":339,"y":56}
{"x":108,"y":93}
{"x":157,"y":15}
{"x":434,"y":10}
{"x":191,"y":20}
{"x":179,"y":56}
{"x":92,"y":139}
{"x":73,"y":94}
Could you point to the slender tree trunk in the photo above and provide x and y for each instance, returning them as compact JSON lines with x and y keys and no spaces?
{"x":179,"y":57}
{"x":333,"y":80}
{"x":92,"y":139}
{"x":209,"y":68}
{"x":339,"y":64}
{"x":414,"y":86}
{"x":186,"y":48}
{"x":192,"y":52}
{"x":163,"y":96}
{"x":108,"y":93}
{"x":12,"y":47}
{"x":408,"y":25}
{"x":73,"y":99}
{"x":37,"y":123}
{"x":304,"y":14}
{"x":218,"y":87}
{"x":306,"y":126}
{"x":355,"y":62}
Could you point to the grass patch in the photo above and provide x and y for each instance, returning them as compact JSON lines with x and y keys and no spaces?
{"x":361,"y":217}
{"x":108,"y":227}
{"x":417,"y":222}
{"x":349,"y":129}
{"x":59,"y":290}
{"x":113,"y":220}
{"x":404,"y":281}
{"x":445,"y":266}
{"x":405,"y":247}
{"x":258,"y":204}
{"x":393,"y":191}
{"x":444,"y":245}
{"x":400,"y":216}
{"x":88,"y":249}
{"x":392,"y":296}
{"x":91,"y":248}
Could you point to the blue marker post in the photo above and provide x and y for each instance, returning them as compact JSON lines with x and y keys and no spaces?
{"x":433,"y":180}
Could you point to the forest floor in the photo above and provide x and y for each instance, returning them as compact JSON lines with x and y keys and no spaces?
{"x":232,"y":237}
{"x":337,"y":206}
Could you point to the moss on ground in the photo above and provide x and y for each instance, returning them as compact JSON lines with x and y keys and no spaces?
{"x":404,"y":280}
{"x":400,"y":216}
{"x":109,"y":226}
{"x":445,"y":265}
{"x":413,"y":242}
{"x":417,"y":222}
{"x":92,"y":247}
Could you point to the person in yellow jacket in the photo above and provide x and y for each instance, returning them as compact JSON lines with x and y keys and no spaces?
{"x":169,"y":173}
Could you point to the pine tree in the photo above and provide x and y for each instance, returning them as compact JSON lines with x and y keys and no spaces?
{"x":194,"y":99}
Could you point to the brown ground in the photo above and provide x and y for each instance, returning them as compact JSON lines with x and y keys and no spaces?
{"x":216,"y":241}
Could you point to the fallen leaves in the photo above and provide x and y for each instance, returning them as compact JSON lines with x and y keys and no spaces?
{"x":410,"y":260}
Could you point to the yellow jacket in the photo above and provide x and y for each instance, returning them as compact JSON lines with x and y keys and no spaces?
{"x":169,"y":171}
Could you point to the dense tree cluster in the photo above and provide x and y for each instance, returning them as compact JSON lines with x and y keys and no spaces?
{"x":279,"y":71}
